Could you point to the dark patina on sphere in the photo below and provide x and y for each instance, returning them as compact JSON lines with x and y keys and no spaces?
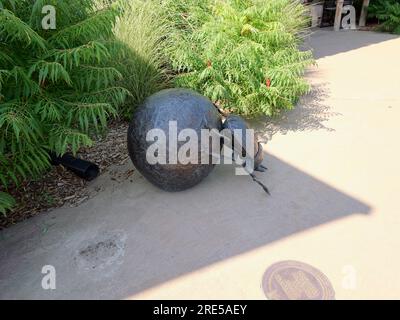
{"x":190,"y":110}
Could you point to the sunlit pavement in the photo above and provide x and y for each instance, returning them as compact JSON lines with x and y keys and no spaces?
{"x":334,"y":178}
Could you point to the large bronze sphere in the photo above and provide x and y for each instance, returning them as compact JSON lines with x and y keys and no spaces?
{"x":190,"y":110}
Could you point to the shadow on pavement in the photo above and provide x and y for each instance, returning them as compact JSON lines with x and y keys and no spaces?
{"x":137,"y":237}
{"x":310,"y":113}
{"x":327,"y":42}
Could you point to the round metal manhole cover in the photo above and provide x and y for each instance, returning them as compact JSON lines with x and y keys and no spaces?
{"x":293,"y":280}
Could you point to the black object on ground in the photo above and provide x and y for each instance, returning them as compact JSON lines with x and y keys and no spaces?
{"x":82,"y":168}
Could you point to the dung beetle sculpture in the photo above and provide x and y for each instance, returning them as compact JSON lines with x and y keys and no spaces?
{"x":235,"y":123}
{"x":184,"y":109}
{"x":190,"y":110}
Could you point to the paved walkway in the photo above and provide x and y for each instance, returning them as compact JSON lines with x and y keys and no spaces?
{"x":333,"y":174}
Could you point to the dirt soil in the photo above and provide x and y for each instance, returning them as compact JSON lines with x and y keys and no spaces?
{"x":60,"y":187}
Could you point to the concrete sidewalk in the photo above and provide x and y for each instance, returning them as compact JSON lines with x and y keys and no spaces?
{"x":333,"y":174}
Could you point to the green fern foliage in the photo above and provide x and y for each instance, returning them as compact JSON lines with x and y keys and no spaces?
{"x":57,"y":87}
{"x":388,"y":14}
{"x":6,"y":202}
{"x":242,"y":54}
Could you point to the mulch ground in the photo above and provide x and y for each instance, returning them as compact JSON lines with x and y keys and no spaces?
{"x":59,"y":187}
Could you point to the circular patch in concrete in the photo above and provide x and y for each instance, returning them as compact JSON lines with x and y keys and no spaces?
{"x":293,"y":280}
{"x":102,"y":251}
